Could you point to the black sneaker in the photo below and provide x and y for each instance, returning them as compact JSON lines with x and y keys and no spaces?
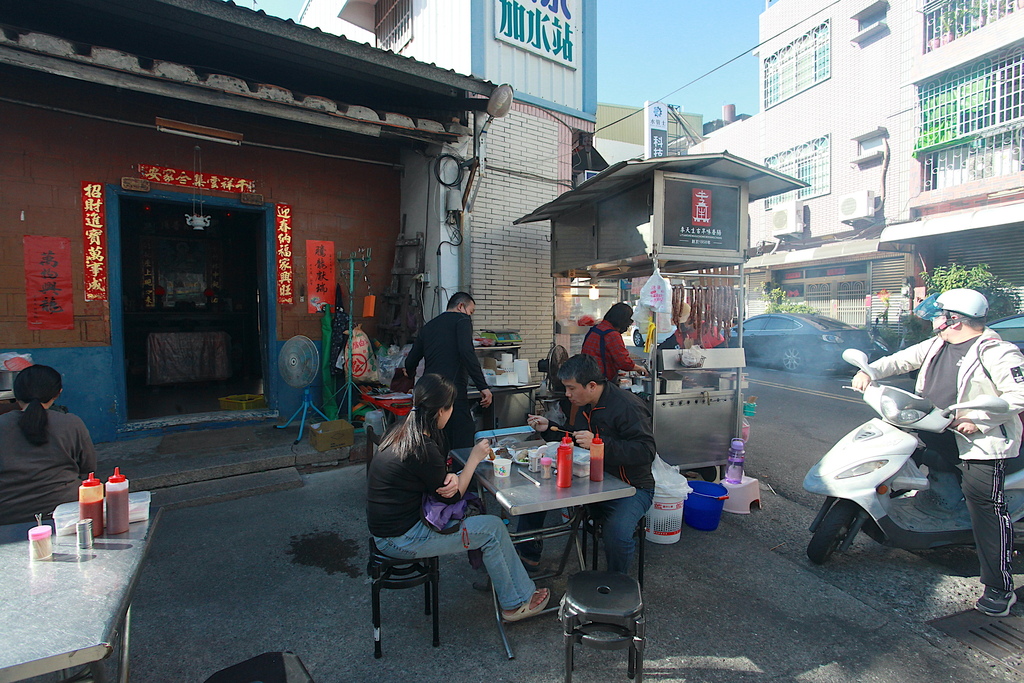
{"x":995,"y":603}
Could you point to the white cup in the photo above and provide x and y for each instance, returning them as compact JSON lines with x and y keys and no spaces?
{"x":502,"y":467}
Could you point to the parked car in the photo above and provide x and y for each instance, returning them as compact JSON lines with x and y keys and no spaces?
{"x":799,"y":342}
{"x":1011,"y":329}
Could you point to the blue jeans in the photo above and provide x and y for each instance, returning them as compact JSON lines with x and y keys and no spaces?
{"x":619,"y":518}
{"x":512,"y":584}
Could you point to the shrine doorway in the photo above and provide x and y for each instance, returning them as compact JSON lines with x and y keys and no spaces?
{"x":191,"y":308}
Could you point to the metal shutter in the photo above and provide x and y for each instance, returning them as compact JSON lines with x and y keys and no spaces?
{"x":1002,"y":250}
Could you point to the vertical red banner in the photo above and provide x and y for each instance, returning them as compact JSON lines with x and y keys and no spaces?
{"x":94,"y":241}
{"x":283,"y":230}
{"x":701,"y":204}
{"x":319,"y":274}
{"x":48,"y":283}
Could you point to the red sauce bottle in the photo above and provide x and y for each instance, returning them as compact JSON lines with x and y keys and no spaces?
{"x":597,"y":459}
{"x":90,"y":503}
{"x":117,"y":503}
{"x":564,"y":456}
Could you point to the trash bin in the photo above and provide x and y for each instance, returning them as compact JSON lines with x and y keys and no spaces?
{"x":665,"y":520}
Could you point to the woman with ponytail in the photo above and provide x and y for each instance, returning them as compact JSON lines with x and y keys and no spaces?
{"x":44,"y":454}
{"x":409,"y":465}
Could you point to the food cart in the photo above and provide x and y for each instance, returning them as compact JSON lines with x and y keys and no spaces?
{"x":688,"y":217}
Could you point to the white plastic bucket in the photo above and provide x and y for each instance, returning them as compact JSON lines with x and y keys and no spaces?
{"x":665,"y":520}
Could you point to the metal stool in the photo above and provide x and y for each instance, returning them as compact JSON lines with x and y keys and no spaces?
{"x":390,"y":572}
{"x":604,"y":610}
{"x":595,"y":528}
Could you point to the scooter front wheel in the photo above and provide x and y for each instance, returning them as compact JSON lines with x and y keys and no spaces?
{"x":832,"y":531}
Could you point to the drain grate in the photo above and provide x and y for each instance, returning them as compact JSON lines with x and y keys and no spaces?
{"x":999,"y":637}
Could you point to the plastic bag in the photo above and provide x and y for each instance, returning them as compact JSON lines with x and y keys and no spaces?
{"x":364,"y":361}
{"x":656,"y":293}
{"x":389,"y":359}
{"x":691,"y":357}
{"x":555,"y":414}
{"x":667,"y":480}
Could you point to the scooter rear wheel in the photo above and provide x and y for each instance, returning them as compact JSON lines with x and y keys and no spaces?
{"x":832,"y":531}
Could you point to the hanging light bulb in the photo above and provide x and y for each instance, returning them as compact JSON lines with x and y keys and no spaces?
{"x":594,"y":293}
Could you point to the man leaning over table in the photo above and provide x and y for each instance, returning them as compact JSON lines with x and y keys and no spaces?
{"x":623,"y":421}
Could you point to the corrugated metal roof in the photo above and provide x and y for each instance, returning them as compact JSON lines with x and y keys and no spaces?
{"x":761,"y":181}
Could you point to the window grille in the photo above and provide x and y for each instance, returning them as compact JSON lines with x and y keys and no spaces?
{"x":819,"y":292}
{"x":393,"y":24}
{"x":947,"y":20}
{"x":851,"y":290}
{"x":810,"y":162}
{"x":803,"y":63}
{"x":971,"y":121}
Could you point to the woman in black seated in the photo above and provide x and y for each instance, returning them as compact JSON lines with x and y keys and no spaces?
{"x":44,"y":454}
{"x":409,"y":465}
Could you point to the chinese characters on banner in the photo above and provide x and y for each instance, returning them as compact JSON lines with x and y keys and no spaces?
{"x":48,"y":283}
{"x":206,"y":181}
{"x":283,"y":230}
{"x":94,"y":241}
{"x":319,"y":274}
{"x":702,"y":216}
{"x":543,"y":27}
{"x":655,"y":130}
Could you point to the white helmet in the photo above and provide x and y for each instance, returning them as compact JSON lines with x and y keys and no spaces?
{"x":963,"y":301}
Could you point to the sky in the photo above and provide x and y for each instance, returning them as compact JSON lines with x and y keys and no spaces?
{"x":649,"y":49}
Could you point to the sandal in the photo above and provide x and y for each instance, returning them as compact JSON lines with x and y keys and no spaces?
{"x":525,"y":611}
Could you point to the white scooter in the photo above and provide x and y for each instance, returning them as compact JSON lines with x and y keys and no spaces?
{"x":872,"y":484}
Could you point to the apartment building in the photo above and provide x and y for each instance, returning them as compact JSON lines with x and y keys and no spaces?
{"x":904,"y":119}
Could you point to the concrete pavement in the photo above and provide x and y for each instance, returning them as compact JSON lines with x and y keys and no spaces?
{"x":285,"y":570}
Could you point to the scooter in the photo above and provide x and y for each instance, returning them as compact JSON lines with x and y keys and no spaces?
{"x":872,"y":484}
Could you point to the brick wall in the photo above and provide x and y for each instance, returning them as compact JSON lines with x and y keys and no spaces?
{"x":529,"y":164}
{"x":48,"y":154}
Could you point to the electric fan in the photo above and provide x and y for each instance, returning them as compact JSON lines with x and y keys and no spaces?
{"x":299,"y":363}
{"x":556,"y":356}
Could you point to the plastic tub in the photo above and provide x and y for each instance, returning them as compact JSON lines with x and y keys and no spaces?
{"x":665,"y":520}
{"x":703,"y":508}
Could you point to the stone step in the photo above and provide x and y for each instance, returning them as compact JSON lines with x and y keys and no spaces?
{"x":226,"y":488}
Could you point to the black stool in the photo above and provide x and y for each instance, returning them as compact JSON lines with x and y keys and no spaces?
{"x":604,"y":610}
{"x":595,"y":527}
{"x":390,"y":572}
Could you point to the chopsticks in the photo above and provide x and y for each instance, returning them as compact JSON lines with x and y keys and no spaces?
{"x":535,"y":482}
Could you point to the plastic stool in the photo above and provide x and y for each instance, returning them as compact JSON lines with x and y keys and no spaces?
{"x":393,"y":573}
{"x":742,"y":496}
{"x":604,"y":610}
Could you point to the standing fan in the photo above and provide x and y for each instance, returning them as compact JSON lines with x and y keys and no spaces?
{"x":556,"y":356}
{"x":299,"y":364}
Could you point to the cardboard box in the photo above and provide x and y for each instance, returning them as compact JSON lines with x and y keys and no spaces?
{"x":333,"y":434}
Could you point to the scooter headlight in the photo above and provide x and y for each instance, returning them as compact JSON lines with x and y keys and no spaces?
{"x":894,"y":413}
{"x":862,"y":469}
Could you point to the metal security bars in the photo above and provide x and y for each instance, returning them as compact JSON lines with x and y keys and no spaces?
{"x":796,"y":67}
{"x":947,"y":20}
{"x":393,"y":24}
{"x":810,"y":162}
{"x":971,"y":120}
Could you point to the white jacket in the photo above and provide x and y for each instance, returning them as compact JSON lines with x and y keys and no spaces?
{"x":991,"y":366}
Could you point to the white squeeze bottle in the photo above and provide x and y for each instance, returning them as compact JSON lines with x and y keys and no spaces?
{"x":117,"y":503}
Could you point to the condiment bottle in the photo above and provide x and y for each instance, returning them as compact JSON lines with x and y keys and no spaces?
{"x":90,"y":503}
{"x":117,"y":503}
{"x":597,"y":459}
{"x":734,"y":470}
{"x":564,"y":458}
{"x":545,"y":467}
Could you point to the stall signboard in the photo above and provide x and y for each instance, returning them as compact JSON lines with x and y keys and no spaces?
{"x":48,"y":283}
{"x":94,"y":241}
{"x":701,"y":215}
{"x":319,"y":274}
{"x":283,"y":232}
{"x":205,"y":181}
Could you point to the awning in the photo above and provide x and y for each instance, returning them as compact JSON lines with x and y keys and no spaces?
{"x":985,"y":217}
{"x":826,"y":251}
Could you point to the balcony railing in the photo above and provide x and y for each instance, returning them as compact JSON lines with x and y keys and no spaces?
{"x":947,"y":20}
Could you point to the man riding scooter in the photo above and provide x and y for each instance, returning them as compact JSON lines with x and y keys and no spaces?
{"x":963,"y":360}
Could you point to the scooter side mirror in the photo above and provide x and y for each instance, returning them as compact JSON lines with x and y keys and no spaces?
{"x":990,"y":404}
{"x":858,"y":358}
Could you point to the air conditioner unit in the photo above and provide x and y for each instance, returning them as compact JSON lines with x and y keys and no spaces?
{"x":788,"y":220}
{"x":857,"y":205}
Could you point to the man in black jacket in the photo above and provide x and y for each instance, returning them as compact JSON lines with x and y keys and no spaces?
{"x":446,"y":346}
{"x":623,"y":422}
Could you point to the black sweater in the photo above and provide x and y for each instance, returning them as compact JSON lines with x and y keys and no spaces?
{"x":446,"y":345}
{"x":395,"y":488}
{"x":623,"y":422}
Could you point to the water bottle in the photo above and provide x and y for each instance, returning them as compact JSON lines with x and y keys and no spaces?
{"x":734,"y":470}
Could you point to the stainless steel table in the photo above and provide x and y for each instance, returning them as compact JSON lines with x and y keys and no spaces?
{"x":519,"y":495}
{"x":67,"y":611}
